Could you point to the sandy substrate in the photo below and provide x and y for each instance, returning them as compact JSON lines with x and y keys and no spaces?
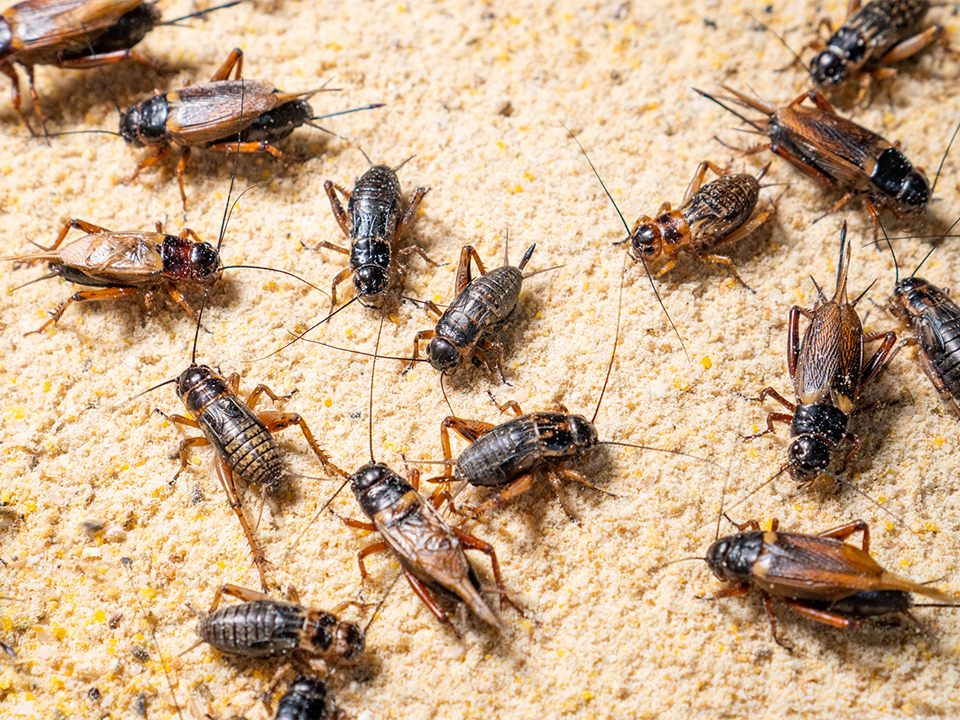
{"x":477,"y":92}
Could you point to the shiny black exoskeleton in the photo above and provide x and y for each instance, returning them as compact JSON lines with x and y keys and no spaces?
{"x":238,"y":435}
{"x":868,"y":603}
{"x":481,"y":304}
{"x":519,"y":446}
{"x":431,"y":553}
{"x":306,"y":699}
{"x":279,"y":123}
{"x":145,"y":124}
{"x":377,"y":487}
{"x":817,"y":429}
{"x":866,"y":37}
{"x":732,"y":558}
{"x":935,"y":321}
{"x":374,"y":209}
{"x":374,"y":221}
{"x":263,"y":627}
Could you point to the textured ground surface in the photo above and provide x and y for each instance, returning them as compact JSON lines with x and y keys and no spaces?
{"x":476,"y":92}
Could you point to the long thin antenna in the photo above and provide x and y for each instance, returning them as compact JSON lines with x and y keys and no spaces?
{"x":361,"y":352}
{"x":656,"y":449}
{"x":783,"y":42}
{"x":730,"y":110}
{"x":302,"y":336}
{"x":935,"y":246}
{"x":196,"y":333}
{"x":373,"y":372}
{"x":616,"y":340}
{"x":127,"y":563}
{"x":944,"y":159}
{"x":200,"y":13}
{"x":625,"y":225}
{"x":282,"y":272}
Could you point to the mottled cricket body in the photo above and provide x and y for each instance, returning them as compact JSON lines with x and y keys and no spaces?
{"x":74,"y":35}
{"x":829,"y":375}
{"x":375,"y":222}
{"x":873,"y":37}
{"x":481,"y":304}
{"x":819,"y":577}
{"x":513,"y":453}
{"x":935,"y":321}
{"x":263,"y":627}
{"x":431,"y":553}
{"x":124,"y":264}
{"x":838,"y":153}
{"x":712,"y":215}
{"x":223,"y":115}
{"x":70,"y":34}
{"x":242,"y":437}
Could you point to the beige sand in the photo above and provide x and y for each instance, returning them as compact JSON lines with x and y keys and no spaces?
{"x":605,"y":637}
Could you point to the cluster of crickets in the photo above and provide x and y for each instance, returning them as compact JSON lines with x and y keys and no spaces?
{"x":818,"y":576}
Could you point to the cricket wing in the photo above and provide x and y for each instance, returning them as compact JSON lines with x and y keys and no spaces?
{"x":216,"y":111}
{"x":65,"y":26}
{"x":429,"y":549}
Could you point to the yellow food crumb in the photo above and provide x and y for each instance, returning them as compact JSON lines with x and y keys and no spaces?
{"x":706,"y":362}
{"x":328,"y":402}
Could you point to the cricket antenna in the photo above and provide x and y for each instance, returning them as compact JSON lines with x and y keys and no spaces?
{"x":276,"y":270}
{"x":896,"y":269}
{"x":730,"y":110}
{"x":778,"y":36}
{"x":127,"y":563}
{"x":323,"y":507}
{"x":376,"y":610}
{"x":944,"y":159}
{"x":373,"y":372}
{"x":443,"y":390}
{"x":935,"y":246}
{"x":196,"y":333}
{"x":616,"y":341}
{"x":625,"y":225}
{"x":310,"y":329}
{"x":312,"y":121}
{"x":86,"y":132}
{"x":200,"y":13}
{"x":753,"y":492}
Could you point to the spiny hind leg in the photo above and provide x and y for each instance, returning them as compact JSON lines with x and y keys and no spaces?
{"x":577,"y":477}
{"x":84,"y":296}
{"x":330,"y":188}
{"x":226,"y":481}
{"x":275,"y":420}
{"x":463,"y":268}
{"x":851,"y":528}
{"x":160,"y":155}
{"x":698,"y":176}
{"x":15,"y":92}
{"x":75,"y":224}
{"x":234,"y":59}
{"x":515,"y":488}
{"x":471,"y":542}
{"x":410,"y":216}
{"x":724,"y":260}
{"x":423,"y":593}
{"x":241,"y":593}
{"x":820,"y":616}
{"x":368,"y":550}
{"x":939,"y":385}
